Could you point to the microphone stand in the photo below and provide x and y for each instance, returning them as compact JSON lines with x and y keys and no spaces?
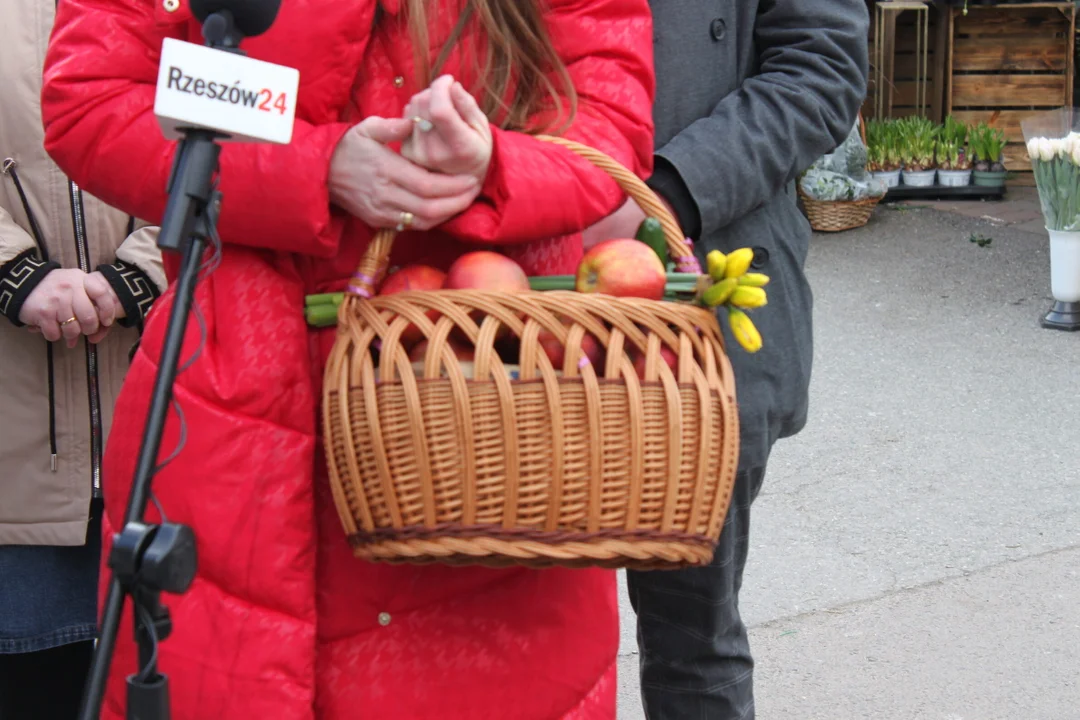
{"x":148,"y":559}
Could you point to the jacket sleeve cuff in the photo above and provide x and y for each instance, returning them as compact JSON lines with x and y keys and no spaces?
{"x":136,"y":291}
{"x":18,"y":278}
{"x":668,"y":184}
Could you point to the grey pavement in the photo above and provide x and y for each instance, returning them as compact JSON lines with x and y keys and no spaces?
{"x":915,"y":551}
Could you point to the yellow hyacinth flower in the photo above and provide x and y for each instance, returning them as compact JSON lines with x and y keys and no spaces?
{"x":742,"y":327}
{"x":748,"y":297}
{"x":738,"y":262}
{"x":716,"y":262}
{"x":754,"y":279}
{"x":720,"y":292}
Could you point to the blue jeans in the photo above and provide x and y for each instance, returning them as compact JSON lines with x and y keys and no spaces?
{"x":695,"y":653}
{"x":48,"y":595}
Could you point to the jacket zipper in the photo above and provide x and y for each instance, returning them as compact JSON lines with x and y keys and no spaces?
{"x":78,"y":223}
{"x":35,"y":230}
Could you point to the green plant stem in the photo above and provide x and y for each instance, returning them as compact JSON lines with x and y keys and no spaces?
{"x":323,"y":315}
{"x":324,"y":299}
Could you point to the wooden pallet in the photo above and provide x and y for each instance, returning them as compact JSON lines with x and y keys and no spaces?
{"x":1007,"y":62}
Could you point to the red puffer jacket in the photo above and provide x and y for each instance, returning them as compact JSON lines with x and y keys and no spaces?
{"x":282,"y":621}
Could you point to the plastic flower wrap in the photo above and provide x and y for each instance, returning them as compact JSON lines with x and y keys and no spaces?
{"x":842,"y":174}
{"x":1053,"y":144}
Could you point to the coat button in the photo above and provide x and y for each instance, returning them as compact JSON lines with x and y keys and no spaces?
{"x":718,"y":29}
{"x":171,"y":5}
{"x":761,"y":257}
{"x":399,"y":81}
{"x":384,"y":618}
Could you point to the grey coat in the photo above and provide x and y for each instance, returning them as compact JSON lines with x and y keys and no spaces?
{"x":749,"y":94}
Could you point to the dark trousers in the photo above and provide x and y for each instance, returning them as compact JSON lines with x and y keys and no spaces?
{"x":695,"y":653}
{"x":46,"y":684}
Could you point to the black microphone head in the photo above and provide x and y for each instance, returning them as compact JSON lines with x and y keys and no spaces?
{"x":251,"y":17}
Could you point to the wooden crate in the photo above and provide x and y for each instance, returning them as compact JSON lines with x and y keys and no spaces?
{"x":905,"y":72}
{"x":1007,"y":62}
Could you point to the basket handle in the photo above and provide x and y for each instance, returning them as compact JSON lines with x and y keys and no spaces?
{"x":376,"y":258}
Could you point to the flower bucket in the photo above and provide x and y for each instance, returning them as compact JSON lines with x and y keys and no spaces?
{"x":891,"y":178}
{"x":985,"y":178}
{"x":1065,"y":265}
{"x":954,"y":178}
{"x":919,"y":178}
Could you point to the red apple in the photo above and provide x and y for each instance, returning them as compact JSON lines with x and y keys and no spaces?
{"x":484,"y":270}
{"x":462,"y":351}
{"x":590,"y":347}
{"x":666,"y":353}
{"x":412,"y":278}
{"x":623,"y":268}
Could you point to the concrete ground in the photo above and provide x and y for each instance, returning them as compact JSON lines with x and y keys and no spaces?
{"x":915,"y":553}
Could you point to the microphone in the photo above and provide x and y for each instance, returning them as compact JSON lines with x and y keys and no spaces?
{"x":251,"y":17}
{"x":219,"y":89}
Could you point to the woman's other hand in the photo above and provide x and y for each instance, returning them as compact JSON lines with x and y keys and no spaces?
{"x":108,"y":305}
{"x":452,"y":134}
{"x":377,"y":185}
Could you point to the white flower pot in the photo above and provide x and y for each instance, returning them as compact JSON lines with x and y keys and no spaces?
{"x":919,"y":178}
{"x":954,"y":178}
{"x":891,"y":178}
{"x":1065,"y":265}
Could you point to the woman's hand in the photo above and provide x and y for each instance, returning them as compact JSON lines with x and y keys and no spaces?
{"x":60,"y":307}
{"x":108,"y":305}
{"x":452,"y":134}
{"x":372,"y":182}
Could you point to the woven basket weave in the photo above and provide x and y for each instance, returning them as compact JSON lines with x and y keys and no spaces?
{"x":837,"y":215}
{"x":572,"y":466}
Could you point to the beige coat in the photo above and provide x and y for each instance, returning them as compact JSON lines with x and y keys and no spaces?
{"x":56,"y":403}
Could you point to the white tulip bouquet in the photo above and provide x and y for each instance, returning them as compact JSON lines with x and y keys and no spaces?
{"x":1053,"y":144}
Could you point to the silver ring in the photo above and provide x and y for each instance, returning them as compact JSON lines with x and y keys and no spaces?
{"x":422,"y":124}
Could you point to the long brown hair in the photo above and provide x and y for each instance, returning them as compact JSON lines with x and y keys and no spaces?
{"x":515,"y":74}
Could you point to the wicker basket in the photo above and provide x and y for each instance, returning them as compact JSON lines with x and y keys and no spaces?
{"x":839,"y":215}
{"x":535,"y":466}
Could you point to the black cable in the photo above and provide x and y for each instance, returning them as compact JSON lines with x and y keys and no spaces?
{"x":148,"y":623}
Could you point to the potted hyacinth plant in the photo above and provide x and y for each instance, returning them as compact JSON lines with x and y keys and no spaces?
{"x":1053,"y":144}
{"x":988,"y":145}
{"x":883,"y":151}
{"x":919,"y":142}
{"x":954,"y":159}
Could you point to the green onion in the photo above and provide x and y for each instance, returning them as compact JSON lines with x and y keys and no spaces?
{"x":324,"y":315}
{"x":324,"y":299}
{"x":552,"y":282}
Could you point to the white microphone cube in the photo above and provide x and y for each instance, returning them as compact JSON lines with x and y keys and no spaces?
{"x":245,"y":99}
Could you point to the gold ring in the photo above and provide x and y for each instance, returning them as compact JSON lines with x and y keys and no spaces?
{"x":69,"y":320}
{"x":405,"y":221}
{"x":422,"y":124}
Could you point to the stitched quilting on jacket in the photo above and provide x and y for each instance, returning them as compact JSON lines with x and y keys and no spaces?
{"x":57,"y":402}
{"x":282,"y":621}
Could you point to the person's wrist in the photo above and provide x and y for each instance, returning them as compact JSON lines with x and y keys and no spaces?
{"x":337,"y":169}
{"x":18,"y":279}
{"x":133,"y":290}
